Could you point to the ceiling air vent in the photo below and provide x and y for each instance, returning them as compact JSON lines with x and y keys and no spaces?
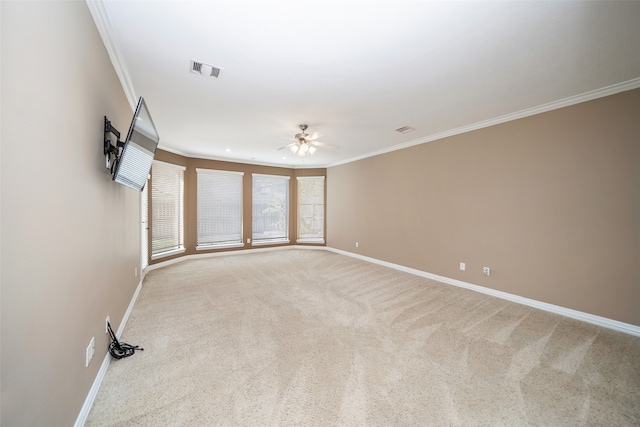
{"x":205,"y":70}
{"x":405,"y":129}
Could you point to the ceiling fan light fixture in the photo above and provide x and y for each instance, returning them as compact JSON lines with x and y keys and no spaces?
{"x":306,"y":143}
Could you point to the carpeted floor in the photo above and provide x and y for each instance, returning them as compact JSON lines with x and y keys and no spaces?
{"x":313,"y":338}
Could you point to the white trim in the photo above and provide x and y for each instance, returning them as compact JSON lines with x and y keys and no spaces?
{"x":93,"y":391}
{"x":271,"y":175}
{"x":315,"y":240}
{"x":218,"y":172}
{"x":235,"y":160}
{"x":223,"y":253}
{"x":100,"y":17}
{"x":167,"y":253}
{"x":172,"y":261}
{"x":276,"y":241}
{"x":616,"y":325}
{"x":170,"y":165}
{"x":103,"y":24}
{"x":566,"y":102}
{"x":563,"y":311}
{"x":219,"y":246}
{"x":310,"y":177}
{"x":574,"y":314}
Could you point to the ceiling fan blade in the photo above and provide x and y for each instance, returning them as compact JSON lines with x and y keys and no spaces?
{"x":323,"y":144}
{"x":313,"y":136}
{"x":286,"y":146}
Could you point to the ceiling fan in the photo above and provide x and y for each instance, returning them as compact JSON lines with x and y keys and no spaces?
{"x":306,"y":143}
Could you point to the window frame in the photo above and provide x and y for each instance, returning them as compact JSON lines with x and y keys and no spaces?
{"x":316,"y":240}
{"x":209,"y":246}
{"x":275,"y":240}
{"x":180,"y":198}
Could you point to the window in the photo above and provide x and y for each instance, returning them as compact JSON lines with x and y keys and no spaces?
{"x":144,"y":227}
{"x":311,"y":209}
{"x":219,"y":208}
{"x":270,"y":209}
{"x":167,"y":186}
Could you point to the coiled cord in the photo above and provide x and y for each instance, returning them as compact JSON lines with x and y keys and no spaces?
{"x":120,"y":350}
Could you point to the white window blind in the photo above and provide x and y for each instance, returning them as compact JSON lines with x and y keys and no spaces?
{"x":144,"y":227}
{"x":311,"y":209}
{"x":219,"y":208}
{"x":270,"y":209}
{"x":167,"y":186}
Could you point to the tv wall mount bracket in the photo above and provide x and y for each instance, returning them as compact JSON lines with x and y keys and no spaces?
{"x":109,"y":148}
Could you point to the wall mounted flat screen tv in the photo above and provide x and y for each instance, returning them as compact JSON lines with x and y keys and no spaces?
{"x":134,"y":164}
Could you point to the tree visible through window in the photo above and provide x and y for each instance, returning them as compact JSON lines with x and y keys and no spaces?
{"x":270,"y":210}
{"x":311,"y":209}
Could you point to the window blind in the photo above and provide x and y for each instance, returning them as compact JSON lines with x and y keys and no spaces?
{"x":219,"y":208}
{"x":144,"y":227}
{"x":270,"y":210}
{"x":167,"y":183}
{"x":311,"y":209}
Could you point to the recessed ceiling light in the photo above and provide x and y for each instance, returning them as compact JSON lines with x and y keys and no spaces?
{"x":405,"y":129}
{"x":228,"y":149}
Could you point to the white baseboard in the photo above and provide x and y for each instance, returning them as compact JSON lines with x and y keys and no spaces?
{"x":563,"y":311}
{"x":93,"y":392}
{"x":226,"y":253}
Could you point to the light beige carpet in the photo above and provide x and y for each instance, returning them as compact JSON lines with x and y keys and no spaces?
{"x":313,"y":338}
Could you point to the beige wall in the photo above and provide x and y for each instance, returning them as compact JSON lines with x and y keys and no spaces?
{"x":70,"y":236}
{"x":190,"y":196}
{"x":550,"y":202}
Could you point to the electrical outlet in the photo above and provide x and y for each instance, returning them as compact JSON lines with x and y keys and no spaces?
{"x":107,"y":321}
{"x":91,"y":349}
{"x":356,"y":244}
{"x":248,"y":240}
{"x":463,"y":266}
{"x":486,"y":271}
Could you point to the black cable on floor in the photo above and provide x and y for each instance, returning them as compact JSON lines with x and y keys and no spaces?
{"x":120,"y":350}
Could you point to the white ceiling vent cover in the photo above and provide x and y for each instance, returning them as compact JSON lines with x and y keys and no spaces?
{"x":205,"y":70}
{"x":405,"y":129}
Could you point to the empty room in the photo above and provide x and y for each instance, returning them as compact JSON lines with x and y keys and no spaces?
{"x":319,"y":213}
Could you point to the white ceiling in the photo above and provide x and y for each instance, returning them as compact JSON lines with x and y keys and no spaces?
{"x":356,"y":70}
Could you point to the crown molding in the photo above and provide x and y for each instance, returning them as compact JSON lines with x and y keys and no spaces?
{"x":239,"y":161}
{"x":565,"y":102}
{"x":103,"y":23}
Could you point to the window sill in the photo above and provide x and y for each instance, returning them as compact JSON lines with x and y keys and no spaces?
{"x":168,"y":253}
{"x":219,"y":246}
{"x":269,"y":242}
{"x":311,"y":240}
